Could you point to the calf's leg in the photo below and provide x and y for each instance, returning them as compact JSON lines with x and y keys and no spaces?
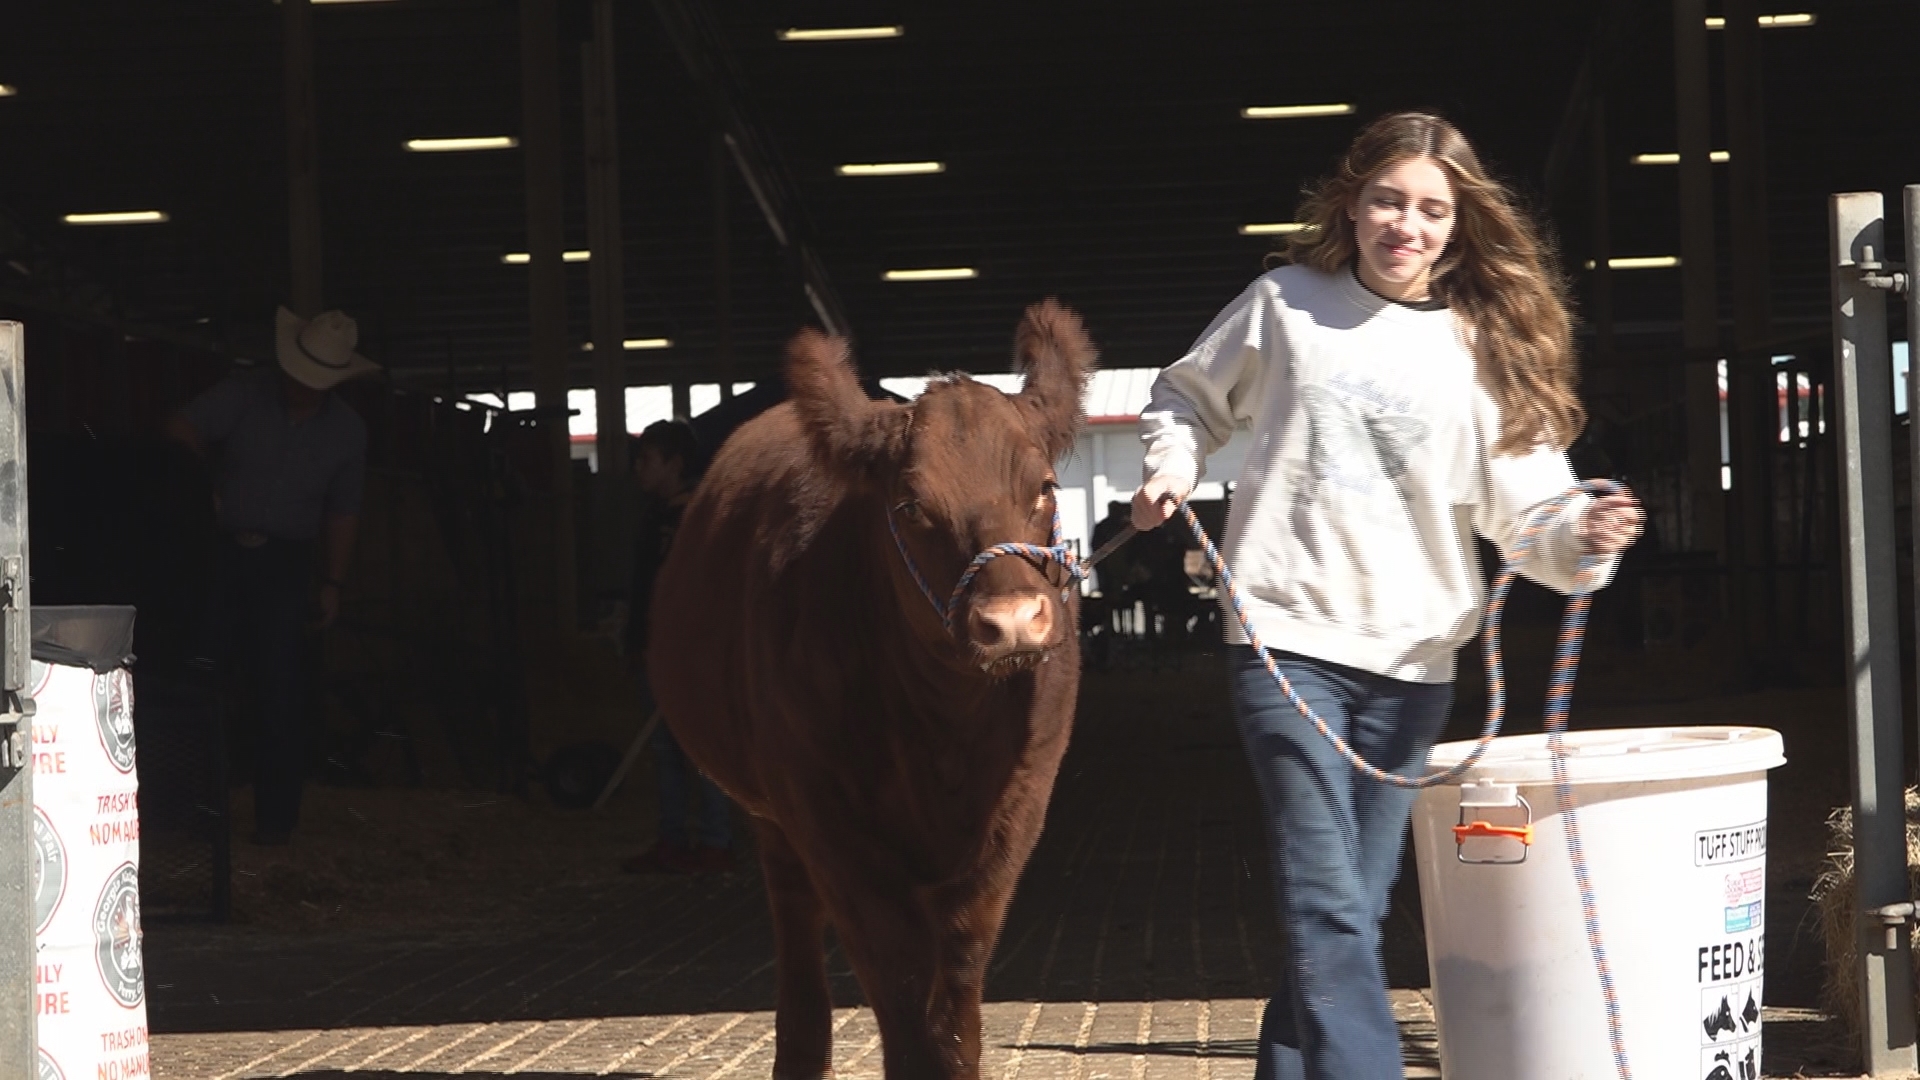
{"x":968,"y":918}
{"x":970,"y":915}
{"x":893,"y":942}
{"x":803,"y":1017}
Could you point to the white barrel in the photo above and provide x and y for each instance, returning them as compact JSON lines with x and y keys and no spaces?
{"x":1673,"y":822}
{"x":90,"y":992}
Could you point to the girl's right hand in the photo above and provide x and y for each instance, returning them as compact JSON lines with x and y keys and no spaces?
{"x":1156,"y":500}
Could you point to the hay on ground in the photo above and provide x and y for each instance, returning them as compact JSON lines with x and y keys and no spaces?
{"x":1833,"y":892}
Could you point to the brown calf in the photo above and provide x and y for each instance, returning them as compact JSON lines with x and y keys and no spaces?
{"x":897,"y":772}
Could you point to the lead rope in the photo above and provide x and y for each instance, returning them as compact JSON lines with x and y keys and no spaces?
{"x":1566,"y":661}
{"x":1059,"y":553}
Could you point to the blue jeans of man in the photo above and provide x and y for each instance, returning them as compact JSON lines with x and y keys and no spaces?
{"x":678,"y":778}
{"x":1334,"y":840}
{"x":677,"y":774}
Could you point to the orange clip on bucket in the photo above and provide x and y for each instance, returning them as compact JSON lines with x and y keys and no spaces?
{"x":1522,"y":833}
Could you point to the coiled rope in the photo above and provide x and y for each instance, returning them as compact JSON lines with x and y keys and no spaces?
{"x":1566,"y":661}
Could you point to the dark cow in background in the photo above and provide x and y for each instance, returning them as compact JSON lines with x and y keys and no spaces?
{"x":897,"y":772}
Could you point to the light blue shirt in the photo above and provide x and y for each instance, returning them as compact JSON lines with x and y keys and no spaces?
{"x":274,"y":475}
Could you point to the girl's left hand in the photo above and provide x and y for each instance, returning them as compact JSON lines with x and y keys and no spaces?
{"x":1611,"y":524}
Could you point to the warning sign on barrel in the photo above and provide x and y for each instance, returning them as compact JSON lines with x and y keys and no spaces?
{"x":90,"y":974}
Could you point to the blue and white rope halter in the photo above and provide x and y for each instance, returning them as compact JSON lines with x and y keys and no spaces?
{"x":1058,"y":553}
{"x":1566,"y":661}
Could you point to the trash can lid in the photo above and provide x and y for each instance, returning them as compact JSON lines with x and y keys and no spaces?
{"x":1621,"y":754}
{"x":97,"y":636}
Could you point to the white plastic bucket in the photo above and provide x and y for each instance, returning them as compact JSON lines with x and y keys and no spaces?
{"x":1673,"y":822}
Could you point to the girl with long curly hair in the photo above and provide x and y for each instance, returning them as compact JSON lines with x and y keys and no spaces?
{"x":1409,"y":380}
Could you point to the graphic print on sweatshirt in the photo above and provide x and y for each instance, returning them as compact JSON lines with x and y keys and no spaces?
{"x":1360,"y":434}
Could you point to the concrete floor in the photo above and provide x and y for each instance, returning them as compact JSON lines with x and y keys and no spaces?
{"x":1139,"y":946}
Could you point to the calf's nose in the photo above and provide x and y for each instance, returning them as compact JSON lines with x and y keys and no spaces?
{"x":1007,"y":624}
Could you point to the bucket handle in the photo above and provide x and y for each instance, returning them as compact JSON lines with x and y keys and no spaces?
{"x":1466,"y":830}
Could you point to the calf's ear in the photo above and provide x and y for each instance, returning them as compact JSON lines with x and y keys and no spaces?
{"x":845,"y":430}
{"x":1052,"y":348}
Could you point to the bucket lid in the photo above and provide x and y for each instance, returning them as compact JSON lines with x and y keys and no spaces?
{"x":1621,"y":754}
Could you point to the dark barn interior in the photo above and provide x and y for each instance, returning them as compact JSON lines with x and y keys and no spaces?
{"x":453,"y":901}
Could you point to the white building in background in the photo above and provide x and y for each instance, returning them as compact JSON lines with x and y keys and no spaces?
{"x":1106,"y":460}
{"x":1103,"y":467}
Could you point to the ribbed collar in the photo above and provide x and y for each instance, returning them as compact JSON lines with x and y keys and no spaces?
{"x":1375,"y":304}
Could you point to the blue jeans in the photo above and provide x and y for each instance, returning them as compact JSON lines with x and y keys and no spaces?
{"x":677,"y":773}
{"x":1334,"y":839}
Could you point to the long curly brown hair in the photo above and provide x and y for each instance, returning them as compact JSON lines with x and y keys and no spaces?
{"x":1497,"y":273}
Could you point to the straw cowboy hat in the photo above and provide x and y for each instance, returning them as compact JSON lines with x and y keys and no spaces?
{"x":319,"y":351}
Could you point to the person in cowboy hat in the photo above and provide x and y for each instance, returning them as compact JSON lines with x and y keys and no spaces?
{"x":289,"y":466}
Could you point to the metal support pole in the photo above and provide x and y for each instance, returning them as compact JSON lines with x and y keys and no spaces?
{"x":1753,"y":410}
{"x":1910,"y":204}
{"x":1863,"y":412}
{"x":19,"y":1045}
{"x":1699,"y":303}
{"x":682,"y":400}
{"x":547,"y":283}
{"x":722,"y":271}
{"x":1602,"y":295}
{"x":1747,"y":175}
{"x":606,"y":276}
{"x":303,"y":154}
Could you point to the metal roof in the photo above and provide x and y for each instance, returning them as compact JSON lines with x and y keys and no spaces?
{"x":1092,"y":152}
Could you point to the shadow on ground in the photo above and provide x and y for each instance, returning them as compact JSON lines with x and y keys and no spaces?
{"x":1149,"y":884}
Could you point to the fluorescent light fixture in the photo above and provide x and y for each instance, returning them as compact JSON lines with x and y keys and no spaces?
{"x":443,"y":146}
{"x":8,"y":89}
{"x":936,"y":273}
{"x":118,"y":217}
{"x":1718,"y":157}
{"x":1770,"y":22}
{"x":1294,"y":112}
{"x":521,"y":258}
{"x":633,"y":343}
{"x":1273,"y":228}
{"x":841,"y":33}
{"x":893,"y":168}
{"x":1641,"y":262}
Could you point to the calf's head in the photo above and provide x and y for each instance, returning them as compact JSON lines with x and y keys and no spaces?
{"x":961,"y":470}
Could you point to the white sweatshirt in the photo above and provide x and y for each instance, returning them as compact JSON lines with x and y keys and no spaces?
{"x":1350,"y":534}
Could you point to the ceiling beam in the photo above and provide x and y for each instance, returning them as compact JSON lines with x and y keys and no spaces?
{"x":1588,"y":85}
{"x":710,"y":63}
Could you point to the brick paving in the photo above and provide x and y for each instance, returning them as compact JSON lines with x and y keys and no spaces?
{"x":1137,"y":949}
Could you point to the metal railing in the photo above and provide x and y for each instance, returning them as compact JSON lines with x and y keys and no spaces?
{"x":1863,"y":410}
